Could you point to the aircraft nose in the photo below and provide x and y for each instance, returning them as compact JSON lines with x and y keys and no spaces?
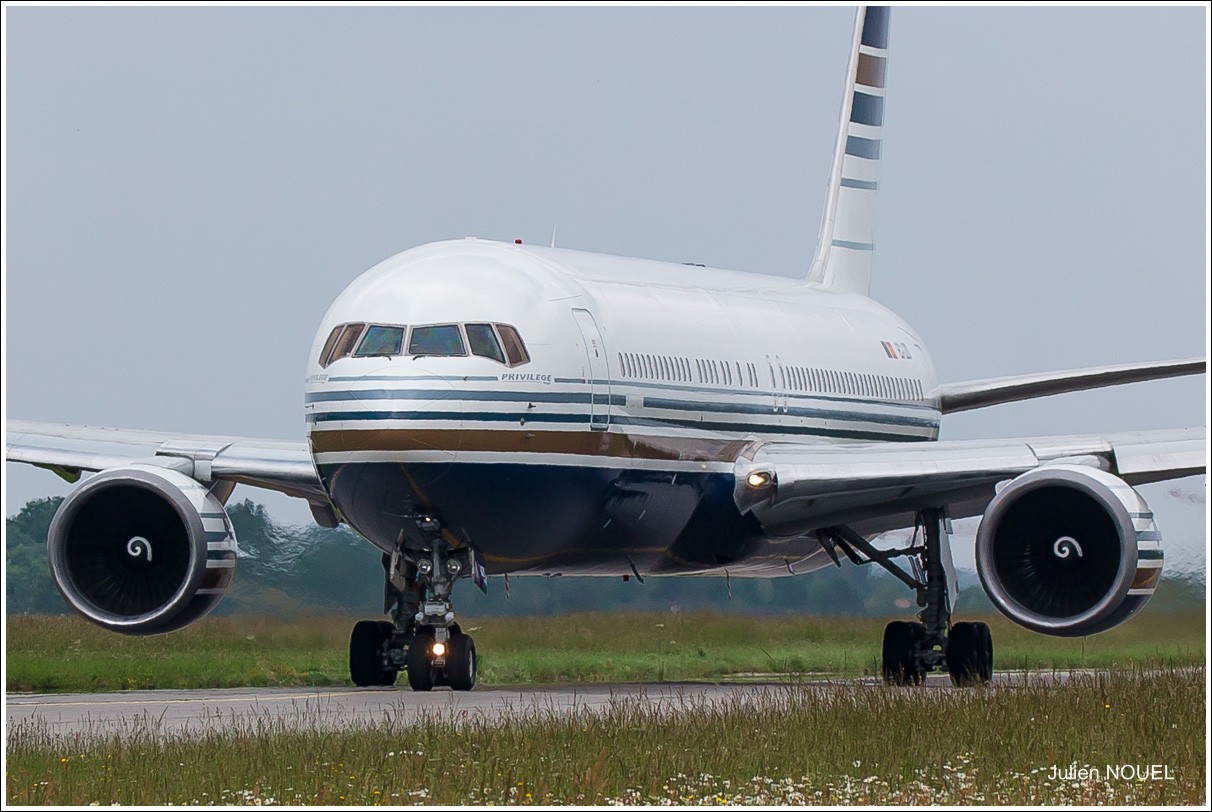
{"x":389,"y":414}
{"x":428,"y":428}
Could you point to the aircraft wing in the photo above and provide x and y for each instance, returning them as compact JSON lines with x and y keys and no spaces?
{"x":69,"y":450}
{"x":960,"y":397}
{"x":881,"y":486}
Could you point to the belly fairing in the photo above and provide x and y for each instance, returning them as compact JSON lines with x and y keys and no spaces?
{"x":551,"y":518}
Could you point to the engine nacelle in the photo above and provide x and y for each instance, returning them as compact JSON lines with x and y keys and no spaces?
{"x":142,"y":550}
{"x":1068,"y":550}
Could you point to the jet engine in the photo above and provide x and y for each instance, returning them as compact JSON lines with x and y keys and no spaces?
{"x":1068,"y":550}
{"x":142,"y":550}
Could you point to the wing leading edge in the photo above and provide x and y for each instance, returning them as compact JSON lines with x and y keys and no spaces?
{"x":959,"y":397}
{"x":70,"y":450}
{"x":881,"y":486}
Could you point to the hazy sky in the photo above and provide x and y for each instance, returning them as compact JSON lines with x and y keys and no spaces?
{"x":188,"y":189}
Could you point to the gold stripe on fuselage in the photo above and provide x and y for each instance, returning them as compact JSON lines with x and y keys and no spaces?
{"x":587,"y":443}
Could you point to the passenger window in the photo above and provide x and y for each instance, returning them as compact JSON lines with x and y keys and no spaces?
{"x":515,"y":350}
{"x":483,"y":341}
{"x":380,"y":340}
{"x":440,"y":339}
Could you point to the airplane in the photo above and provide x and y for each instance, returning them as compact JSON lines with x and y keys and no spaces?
{"x":479,"y":408}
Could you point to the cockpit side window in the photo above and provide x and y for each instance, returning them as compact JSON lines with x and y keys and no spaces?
{"x":438,"y":339}
{"x":483,"y":341}
{"x":381,"y":340}
{"x":326,"y":353}
{"x":348,"y":340}
{"x":515,"y":350}
{"x":343,"y":344}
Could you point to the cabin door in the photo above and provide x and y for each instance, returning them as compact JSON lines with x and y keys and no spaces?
{"x":598,"y":370}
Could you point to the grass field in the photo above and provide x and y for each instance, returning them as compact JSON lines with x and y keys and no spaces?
{"x":61,"y":653}
{"x":846,"y":745}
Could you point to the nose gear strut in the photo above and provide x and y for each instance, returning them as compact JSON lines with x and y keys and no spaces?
{"x":423,"y":637}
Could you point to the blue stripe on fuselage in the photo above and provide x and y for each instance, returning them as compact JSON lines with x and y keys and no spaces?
{"x":796,"y":411}
{"x":583,"y":397}
{"x":621,"y":420}
{"x":459,"y":394}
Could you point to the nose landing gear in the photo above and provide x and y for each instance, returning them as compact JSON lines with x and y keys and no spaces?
{"x":422,"y":638}
{"x":431,"y":663}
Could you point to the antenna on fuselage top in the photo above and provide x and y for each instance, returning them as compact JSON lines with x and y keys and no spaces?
{"x":553,"y":228}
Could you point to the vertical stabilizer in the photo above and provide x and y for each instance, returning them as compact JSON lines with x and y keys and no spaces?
{"x":843,"y":254}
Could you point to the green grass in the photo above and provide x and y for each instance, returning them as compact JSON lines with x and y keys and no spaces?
{"x":60,"y":653}
{"x":846,"y":745}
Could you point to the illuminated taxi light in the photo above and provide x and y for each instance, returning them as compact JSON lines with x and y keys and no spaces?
{"x":439,"y":649}
{"x":758,"y":479}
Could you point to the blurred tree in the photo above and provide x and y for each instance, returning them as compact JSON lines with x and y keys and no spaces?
{"x":285,"y":570}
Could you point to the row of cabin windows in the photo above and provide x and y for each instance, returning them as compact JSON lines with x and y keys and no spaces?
{"x":683,"y":370}
{"x":500,"y":342}
{"x":794,"y":379}
{"x":833,"y":382}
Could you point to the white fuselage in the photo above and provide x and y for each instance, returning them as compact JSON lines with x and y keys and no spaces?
{"x":639,"y":373}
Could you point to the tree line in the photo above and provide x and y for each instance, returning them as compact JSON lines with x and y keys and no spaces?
{"x":287,"y":569}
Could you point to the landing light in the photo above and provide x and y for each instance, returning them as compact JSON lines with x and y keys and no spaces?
{"x":439,"y":649}
{"x":758,"y":479}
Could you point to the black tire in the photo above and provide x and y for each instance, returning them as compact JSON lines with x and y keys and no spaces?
{"x":901,"y":665}
{"x":970,"y":654}
{"x":461,"y":662}
{"x":366,"y":654}
{"x":419,"y":664}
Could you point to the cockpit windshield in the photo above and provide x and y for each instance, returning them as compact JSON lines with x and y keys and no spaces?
{"x":381,"y":340}
{"x":483,"y":340}
{"x":438,"y":339}
{"x":497,"y":342}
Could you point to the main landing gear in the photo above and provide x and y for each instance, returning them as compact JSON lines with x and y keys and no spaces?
{"x":422,"y":638}
{"x":912,"y":649}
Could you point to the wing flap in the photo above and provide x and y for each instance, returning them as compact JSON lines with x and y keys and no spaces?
{"x":959,"y":397}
